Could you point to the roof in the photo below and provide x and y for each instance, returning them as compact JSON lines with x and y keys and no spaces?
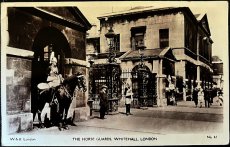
{"x":203,"y":22}
{"x":147,"y":11}
{"x":80,"y":22}
{"x":148,"y":53}
{"x":200,"y":19}
{"x":82,"y":17}
{"x":199,"y":16}
{"x":140,"y":10}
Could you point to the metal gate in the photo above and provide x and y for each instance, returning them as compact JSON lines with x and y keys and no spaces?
{"x":143,"y":86}
{"x":109,"y":75}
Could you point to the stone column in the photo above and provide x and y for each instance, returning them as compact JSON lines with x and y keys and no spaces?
{"x":198,"y":76}
{"x":4,"y":23}
{"x":192,"y":88}
{"x":161,"y":100}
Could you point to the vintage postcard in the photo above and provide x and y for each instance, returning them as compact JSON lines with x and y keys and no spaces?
{"x":114,"y":73}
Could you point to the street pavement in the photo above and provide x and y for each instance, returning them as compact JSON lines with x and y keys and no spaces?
{"x":183,"y":124}
{"x":184,"y":118}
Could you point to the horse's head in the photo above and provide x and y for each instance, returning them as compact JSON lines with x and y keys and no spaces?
{"x":81,"y":81}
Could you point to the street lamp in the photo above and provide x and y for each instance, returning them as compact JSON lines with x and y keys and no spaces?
{"x":110,"y":40}
{"x":91,"y":61}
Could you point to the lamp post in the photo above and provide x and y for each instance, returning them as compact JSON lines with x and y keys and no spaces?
{"x":91,"y":61}
{"x":110,"y":39}
{"x":90,"y":100}
{"x":111,"y":72}
{"x":143,"y":75}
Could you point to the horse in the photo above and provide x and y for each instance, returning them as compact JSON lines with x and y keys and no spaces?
{"x":59,"y":99}
{"x":65,"y":94}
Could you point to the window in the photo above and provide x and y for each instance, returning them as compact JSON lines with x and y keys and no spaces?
{"x":164,"y":38}
{"x":139,"y":40}
{"x":96,"y":44}
{"x":117,"y":42}
{"x":47,"y":52}
{"x":138,"y":37}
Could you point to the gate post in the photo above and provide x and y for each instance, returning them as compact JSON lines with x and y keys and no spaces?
{"x":161,"y":99}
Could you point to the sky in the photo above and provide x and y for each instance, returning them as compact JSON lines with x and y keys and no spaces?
{"x":217,"y":13}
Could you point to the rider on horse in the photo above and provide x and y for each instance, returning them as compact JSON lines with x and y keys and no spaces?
{"x":54,"y":78}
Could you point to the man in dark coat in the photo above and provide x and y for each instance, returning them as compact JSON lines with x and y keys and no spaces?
{"x":207,"y":97}
{"x":103,"y":101}
{"x":195,"y":96}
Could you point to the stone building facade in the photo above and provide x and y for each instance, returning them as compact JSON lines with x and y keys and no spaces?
{"x":218,"y":73}
{"x":28,"y":31}
{"x":175,"y":46}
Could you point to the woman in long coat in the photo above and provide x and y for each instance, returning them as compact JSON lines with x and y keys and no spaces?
{"x":201,"y":97}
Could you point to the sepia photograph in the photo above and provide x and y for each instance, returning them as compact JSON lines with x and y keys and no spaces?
{"x":121,"y":73}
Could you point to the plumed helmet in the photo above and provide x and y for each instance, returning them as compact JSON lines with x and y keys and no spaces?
{"x":54,"y":59}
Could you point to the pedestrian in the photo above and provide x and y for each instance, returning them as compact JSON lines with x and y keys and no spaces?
{"x":220,"y":97}
{"x":103,"y":101}
{"x":220,"y":100}
{"x":207,"y":93}
{"x":128,"y":99}
{"x":201,"y":97}
{"x":195,"y":96}
{"x":214,"y":94}
{"x":220,"y":92}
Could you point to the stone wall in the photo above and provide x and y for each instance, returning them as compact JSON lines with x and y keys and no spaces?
{"x":174,"y":22}
{"x":18,"y":84}
{"x":18,"y":94}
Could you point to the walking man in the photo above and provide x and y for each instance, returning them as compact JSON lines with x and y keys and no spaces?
{"x":207,"y":97}
{"x":103,"y":101}
{"x":195,"y":96}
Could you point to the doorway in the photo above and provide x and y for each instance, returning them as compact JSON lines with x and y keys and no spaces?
{"x":144,"y":86}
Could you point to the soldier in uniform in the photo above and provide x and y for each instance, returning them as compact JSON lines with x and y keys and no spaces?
{"x":128,"y":99}
{"x":54,"y":78}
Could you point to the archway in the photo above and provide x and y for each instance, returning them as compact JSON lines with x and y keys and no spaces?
{"x":40,"y":63}
{"x":144,"y":85}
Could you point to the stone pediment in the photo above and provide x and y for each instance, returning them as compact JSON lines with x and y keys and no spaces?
{"x":204,"y":23}
{"x":69,"y":13}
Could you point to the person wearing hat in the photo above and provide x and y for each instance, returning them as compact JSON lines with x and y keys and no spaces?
{"x":195,"y":96}
{"x":103,"y":101}
{"x":128,"y":99}
{"x":54,"y":79}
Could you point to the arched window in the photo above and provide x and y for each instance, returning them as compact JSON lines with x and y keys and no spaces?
{"x":47,"y":52}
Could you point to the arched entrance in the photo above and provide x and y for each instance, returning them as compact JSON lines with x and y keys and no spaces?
{"x":144,"y":86}
{"x":45,"y":38}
